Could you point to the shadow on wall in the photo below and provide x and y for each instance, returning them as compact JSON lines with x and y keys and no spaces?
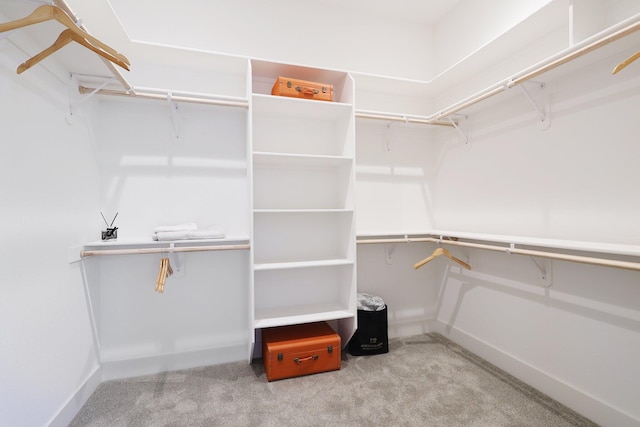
{"x":386,"y":270}
{"x":603,"y":294}
{"x":396,"y":165}
{"x":144,"y":168}
{"x":197,"y":312}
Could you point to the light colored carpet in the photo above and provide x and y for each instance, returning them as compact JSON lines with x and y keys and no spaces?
{"x":424,"y":380}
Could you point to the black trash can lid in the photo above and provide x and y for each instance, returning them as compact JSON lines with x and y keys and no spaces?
{"x":368,"y":302}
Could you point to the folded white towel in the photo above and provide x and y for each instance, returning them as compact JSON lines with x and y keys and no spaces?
{"x":188,"y":235}
{"x":190,"y":226}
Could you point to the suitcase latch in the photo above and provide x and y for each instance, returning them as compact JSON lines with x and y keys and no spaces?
{"x":280,"y":357}
{"x":330,"y":349}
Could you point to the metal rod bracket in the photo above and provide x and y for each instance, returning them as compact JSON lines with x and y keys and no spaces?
{"x":545,"y":277}
{"x":173,"y":107}
{"x":465,"y":138}
{"x":543,"y":112}
{"x":390,"y":251}
{"x":177,"y":261}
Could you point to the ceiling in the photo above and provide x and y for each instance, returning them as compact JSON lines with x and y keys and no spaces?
{"x":107,"y":20}
{"x":426,"y":12}
{"x":103,"y":18}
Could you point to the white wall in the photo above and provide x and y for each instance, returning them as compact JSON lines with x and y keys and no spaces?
{"x":393,"y":164}
{"x":152,"y":178}
{"x":289,"y":31}
{"x":386,"y":270}
{"x":471,"y":25}
{"x":571,"y":181}
{"x":575,"y":180}
{"x":49,"y":192}
{"x":578,"y":340}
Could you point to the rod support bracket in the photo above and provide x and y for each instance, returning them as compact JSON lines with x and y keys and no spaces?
{"x":177,"y":261}
{"x":465,"y":138}
{"x":389,"y":252}
{"x":542,"y":112}
{"x":173,"y":107}
{"x":546,"y":271}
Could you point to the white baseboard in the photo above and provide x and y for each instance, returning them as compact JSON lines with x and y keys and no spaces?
{"x":117,"y":369}
{"x":589,"y":406}
{"x":77,"y":400}
{"x":143,"y":366}
{"x":409,"y":327}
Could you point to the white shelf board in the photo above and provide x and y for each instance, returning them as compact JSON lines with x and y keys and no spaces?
{"x":301,"y":211}
{"x":279,"y":106}
{"x":281,"y":316}
{"x":301,"y":264}
{"x":576,"y":245}
{"x":391,"y":233}
{"x":272,"y":158}
{"x":141,"y":243}
{"x":572,"y":245}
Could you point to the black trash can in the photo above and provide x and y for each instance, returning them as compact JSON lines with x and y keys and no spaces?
{"x":371,"y":337}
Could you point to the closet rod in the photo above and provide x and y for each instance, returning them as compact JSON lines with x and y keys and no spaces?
{"x":164,"y":97}
{"x":197,"y":95}
{"x":590,"y":44}
{"x":405,"y":119}
{"x":101,"y":252}
{"x":513,"y":250}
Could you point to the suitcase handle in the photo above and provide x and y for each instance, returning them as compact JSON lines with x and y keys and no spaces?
{"x":307,"y":90}
{"x":299,"y":360}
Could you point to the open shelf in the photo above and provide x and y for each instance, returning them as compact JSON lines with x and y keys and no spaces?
{"x":267,"y":318}
{"x":265,"y":73}
{"x":302,"y":264}
{"x":299,"y":160}
{"x":301,"y":127}
{"x":572,"y":245}
{"x":302,"y":181}
{"x":302,"y":236}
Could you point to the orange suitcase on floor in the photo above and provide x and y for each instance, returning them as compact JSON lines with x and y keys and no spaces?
{"x":294,"y":88}
{"x":293,"y":351}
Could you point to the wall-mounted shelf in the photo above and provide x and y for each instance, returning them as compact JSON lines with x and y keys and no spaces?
{"x":268,"y":318}
{"x":138,"y":247}
{"x":521,"y":246}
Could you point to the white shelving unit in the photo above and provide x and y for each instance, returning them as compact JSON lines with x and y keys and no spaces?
{"x":303,"y":177}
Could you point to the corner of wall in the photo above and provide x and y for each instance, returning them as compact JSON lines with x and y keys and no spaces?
{"x":72,"y":406}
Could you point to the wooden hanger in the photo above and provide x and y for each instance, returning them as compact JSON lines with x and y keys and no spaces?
{"x":48,"y":12}
{"x":626,"y":62}
{"x":66,"y":37}
{"x":164,"y":271}
{"x":437,"y":253}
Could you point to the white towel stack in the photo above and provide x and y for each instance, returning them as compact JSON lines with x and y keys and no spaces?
{"x":188,"y":231}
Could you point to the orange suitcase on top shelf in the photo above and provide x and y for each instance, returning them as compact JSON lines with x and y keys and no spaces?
{"x":294,"y":88}
{"x":293,"y":351}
